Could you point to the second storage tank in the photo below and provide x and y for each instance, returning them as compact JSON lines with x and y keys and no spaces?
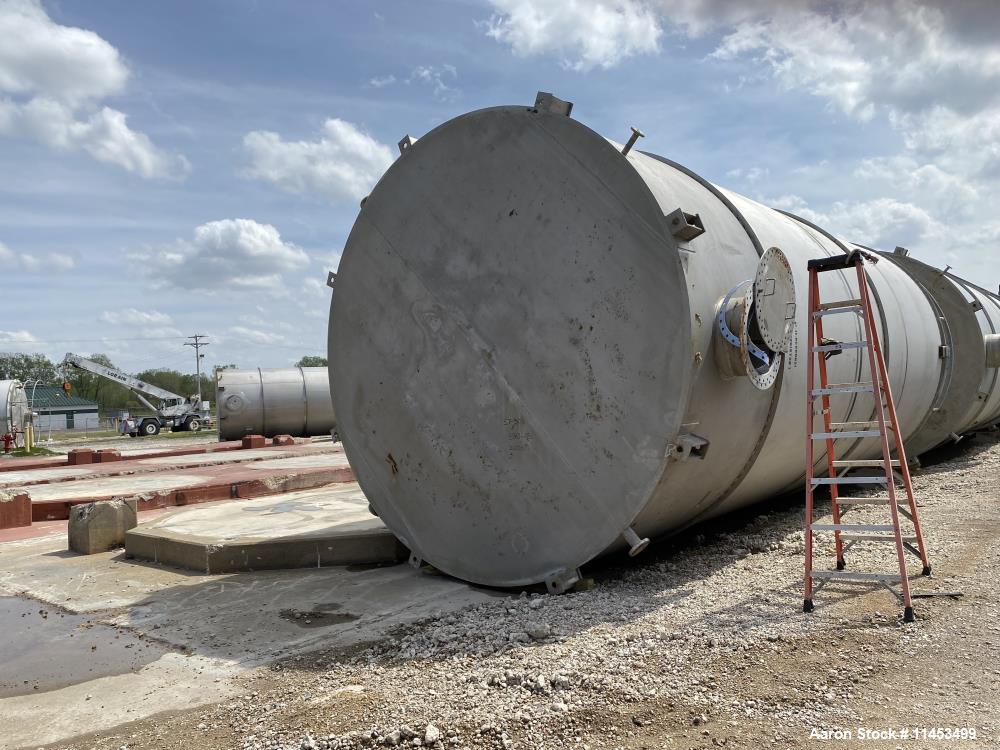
{"x":282,"y":401}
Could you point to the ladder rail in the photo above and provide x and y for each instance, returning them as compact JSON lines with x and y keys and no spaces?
{"x":825,"y":405}
{"x":904,"y":467}
{"x":813,"y":294}
{"x":877,"y":369}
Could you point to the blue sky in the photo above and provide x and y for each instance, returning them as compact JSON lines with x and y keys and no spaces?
{"x":178,"y":168}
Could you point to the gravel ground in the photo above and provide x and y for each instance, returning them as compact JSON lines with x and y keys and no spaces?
{"x":703,"y":644}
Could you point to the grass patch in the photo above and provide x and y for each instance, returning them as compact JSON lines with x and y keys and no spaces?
{"x":36,"y":451}
{"x":183,"y":434}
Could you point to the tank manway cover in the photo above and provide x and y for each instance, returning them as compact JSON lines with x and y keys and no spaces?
{"x":510,"y":346}
{"x":774,"y":298}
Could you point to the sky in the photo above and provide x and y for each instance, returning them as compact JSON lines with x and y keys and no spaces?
{"x":168,"y":169}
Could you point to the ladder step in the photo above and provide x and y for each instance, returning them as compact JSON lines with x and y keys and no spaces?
{"x":839,"y":303}
{"x":851,"y":577}
{"x":849,"y":480}
{"x":837,"y":310}
{"x":845,"y":434}
{"x":853,"y":527}
{"x":856,"y":425}
{"x":843,"y":388}
{"x":876,"y":537}
{"x":838,"y":347}
{"x":855,"y":463}
{"x":901,"y":505}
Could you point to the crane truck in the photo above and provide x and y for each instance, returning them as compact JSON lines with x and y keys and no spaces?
{"x":176,"y":412}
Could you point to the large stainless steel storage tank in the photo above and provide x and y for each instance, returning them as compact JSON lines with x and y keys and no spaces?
{"x":287,"y":401}
{"x":526,"y":356}
{"x":13,"y":406}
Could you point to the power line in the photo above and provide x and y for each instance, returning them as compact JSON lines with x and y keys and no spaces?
{"x":83,"y":341}
{"x":197,"y":344}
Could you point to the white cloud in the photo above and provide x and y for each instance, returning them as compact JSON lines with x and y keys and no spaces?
{"x":382,"y":81}
{"x":750,"y":174}
{"x":40,"y":56}
{"x":929,"y":69}
{"x":882,"y":222}
{"x":236,"y":253}
{"x":928,"y":182}
{"x":584,"y":34}
{"x":17,"y":337}
{"x":256,"y":336}
{"x":900,"y":56}
{"x":52,"y":80}
{"x":439,"y":78}
{"x":131,"y":316}
{"x":46,"y":262}
{"x":342,"y":164}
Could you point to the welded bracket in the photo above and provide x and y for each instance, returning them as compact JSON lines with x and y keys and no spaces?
{"x":546,"y":102}
{"x":562,"y":580}
{"x":688,"y":445}
{"x":331,"y":279}
{"x":405,"y":143}
{"x":684,"y":226}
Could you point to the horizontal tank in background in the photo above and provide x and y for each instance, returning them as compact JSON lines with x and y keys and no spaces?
{"x":280,"y":401}
{"x":544,"y":346}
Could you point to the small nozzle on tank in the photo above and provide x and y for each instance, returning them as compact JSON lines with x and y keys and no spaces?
{"x":635,"y":544}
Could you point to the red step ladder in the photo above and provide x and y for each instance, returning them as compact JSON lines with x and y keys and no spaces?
{"x":838,"y":471}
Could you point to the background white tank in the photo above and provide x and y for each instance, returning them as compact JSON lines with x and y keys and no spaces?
{"x":526,"y":358}
{"x":13,"y":406}
{"x":288,"y":401}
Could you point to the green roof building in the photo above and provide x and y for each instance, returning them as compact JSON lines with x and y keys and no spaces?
{"x":56,"y":411}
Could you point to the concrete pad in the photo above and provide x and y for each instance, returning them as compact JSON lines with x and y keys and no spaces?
{"x":306,"y":529}
{"x":15,"y":510}
{"x":110,"y":486}
{"x":226,"y":624}
{"x":98,"y":527}
{"x":55,"y":474}
{"x":206,"y":459}
{"x":321,"y":460}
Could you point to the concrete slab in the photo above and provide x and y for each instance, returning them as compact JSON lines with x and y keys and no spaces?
{"x":217,"y":627}
{"x":307,"y":529}
{"x":109,"y":486}
{"x":321,"y":460}
{"x":31,"y":476}
{"x":240,"y":456}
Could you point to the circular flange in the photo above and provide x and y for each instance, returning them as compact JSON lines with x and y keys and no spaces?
{"x":774,"y":298}
{"x":761,"y":374}
{"x":235,"y":403}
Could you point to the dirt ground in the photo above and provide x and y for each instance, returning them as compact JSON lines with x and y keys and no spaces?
{"x":700,"y":644}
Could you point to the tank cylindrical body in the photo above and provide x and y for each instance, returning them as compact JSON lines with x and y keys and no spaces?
{"x":525,"y":354}
{"x":13,"y":406}
{"x":283,"y":401}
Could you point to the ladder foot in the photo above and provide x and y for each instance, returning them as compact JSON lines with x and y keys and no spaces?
{"x":841,"y":564}
{"x":807,"y":605}
{"x":926,"y":571}
{"x":908,"y":615}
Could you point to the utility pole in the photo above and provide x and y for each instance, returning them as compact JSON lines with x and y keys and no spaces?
{"x":197,"y":344}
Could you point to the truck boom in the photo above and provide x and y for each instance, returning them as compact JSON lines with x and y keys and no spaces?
{"x":174,"y":410}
